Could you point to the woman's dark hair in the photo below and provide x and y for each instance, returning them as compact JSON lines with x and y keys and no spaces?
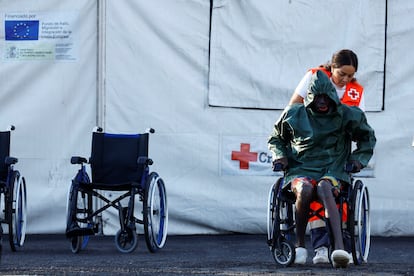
{"x":341,"y":58}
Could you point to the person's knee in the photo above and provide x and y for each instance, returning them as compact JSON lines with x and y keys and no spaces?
{"x":324,"y":189}
{"x":304,"y":191}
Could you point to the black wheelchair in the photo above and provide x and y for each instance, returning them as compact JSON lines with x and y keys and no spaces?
{"x":13,"y":195}
{"x":119,"y":163}
{"x":353,"y":200}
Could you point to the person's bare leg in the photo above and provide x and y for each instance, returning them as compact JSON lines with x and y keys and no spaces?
{"x":339,"y":257}
{"x":324,"y":192}
{"x":303,"y":192}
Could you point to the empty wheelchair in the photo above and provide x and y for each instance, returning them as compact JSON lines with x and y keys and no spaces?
{"x":120,"y":163}
{"x":353,"y":200}
{"x":12,"y":194}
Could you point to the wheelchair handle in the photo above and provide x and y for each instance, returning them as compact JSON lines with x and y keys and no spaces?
{"x":10,"y":160}
{"x":150,"y":130}
{"x":11,"y":127}
{"x":78,"y":160}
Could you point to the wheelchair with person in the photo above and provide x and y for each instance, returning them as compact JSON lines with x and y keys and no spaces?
{"x":353,"y":206}
{"x":118,"y":163}
{"x":13,"y":195}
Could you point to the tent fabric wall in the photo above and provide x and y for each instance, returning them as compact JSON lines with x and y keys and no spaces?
{"x":157,"y":75}
{"x":392,"y":191}
{"x":52,"y":104}
{"x":261,"y":50}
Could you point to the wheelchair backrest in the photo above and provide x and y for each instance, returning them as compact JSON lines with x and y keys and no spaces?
{"x":4,"y":152}
{"x":114,"y":157}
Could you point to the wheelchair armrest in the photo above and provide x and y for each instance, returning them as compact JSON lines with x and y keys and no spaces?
{"x":144,"y":160}
{"x":78,"y":160}
{"x":10,"y":160}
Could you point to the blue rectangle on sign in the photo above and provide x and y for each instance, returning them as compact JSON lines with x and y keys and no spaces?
{"x":21,"y":29}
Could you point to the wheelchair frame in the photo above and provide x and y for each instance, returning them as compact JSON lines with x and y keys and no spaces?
{"x":91,"y":203}
{"x":281,"y":222}
{"x":13,"y":195}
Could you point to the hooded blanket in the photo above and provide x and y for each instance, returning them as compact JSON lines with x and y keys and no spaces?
{"x":317,"y":144}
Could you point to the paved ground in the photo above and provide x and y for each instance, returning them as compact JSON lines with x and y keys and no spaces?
{"x":189,"y":255}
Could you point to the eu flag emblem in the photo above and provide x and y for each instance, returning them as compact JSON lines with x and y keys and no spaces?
{"x":21,"y":29}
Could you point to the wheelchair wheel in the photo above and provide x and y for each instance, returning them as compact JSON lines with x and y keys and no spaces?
{"x":359,"y":223}
{"x":17,"y":211}
{"x":76,"y":244}
{"x":271,"y":211}
{"x":1,"y":242}
{"x":83,"y":206}
{"x":280,"y":214}
{"x":155,"y":213}
{"x":126,"y":240}
{"x":284,"y":252}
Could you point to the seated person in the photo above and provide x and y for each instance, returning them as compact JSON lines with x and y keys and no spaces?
{"x":312,"y":141}
{"x":341,"y":70}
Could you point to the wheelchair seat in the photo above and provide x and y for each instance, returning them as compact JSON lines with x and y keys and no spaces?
{"x":118,"y":162}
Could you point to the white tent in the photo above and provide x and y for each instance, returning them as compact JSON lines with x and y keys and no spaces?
{"x":211,"y":77}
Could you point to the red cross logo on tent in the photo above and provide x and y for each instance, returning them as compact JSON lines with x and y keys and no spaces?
{"x":353,"y":94}
{"x":244,"y":156}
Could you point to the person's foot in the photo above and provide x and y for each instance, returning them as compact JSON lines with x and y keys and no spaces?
{"x":301,"y":255}
{"x":340,"y":258}
{"x":321,"y":255}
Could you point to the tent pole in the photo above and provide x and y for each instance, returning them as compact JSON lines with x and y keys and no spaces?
{"x":101,"y":81}
{"x":385,"y":55}
{"x":101,"y":64}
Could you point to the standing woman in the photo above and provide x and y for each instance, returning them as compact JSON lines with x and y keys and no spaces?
{"x":341,"y":72}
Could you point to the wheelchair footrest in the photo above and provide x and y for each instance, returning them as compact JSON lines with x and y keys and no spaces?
{"x":77,"y":231}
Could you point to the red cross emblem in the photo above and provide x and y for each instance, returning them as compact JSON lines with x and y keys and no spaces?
{"x":244,"y":156}
{"x":353,"y":94}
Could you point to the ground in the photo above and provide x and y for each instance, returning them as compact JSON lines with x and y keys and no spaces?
{"x":236,"y":254}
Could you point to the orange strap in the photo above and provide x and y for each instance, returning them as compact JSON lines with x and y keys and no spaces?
{"x":318,"y":207}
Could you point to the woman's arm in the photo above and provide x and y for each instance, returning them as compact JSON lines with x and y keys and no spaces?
{"x":295,"y":99}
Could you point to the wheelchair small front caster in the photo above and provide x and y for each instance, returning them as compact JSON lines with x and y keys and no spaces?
{"x":284,"y":253}
{"x":126,"y":240}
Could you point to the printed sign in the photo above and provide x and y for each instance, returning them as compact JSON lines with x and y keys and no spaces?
{"x":245,"y":156}
{"x":39,"y":36}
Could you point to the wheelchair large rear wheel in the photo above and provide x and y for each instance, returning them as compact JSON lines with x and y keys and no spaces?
{"x":279,"y":213}
{"x":360,"y":226}
{"x":275,"y":210}
{"x":271,"y":206}
{"x":1,"y":242}
{"x":76,"y":244}
{"x":16,"y":210}
{"x":82,"y":209}
{"x":155,"y":213}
